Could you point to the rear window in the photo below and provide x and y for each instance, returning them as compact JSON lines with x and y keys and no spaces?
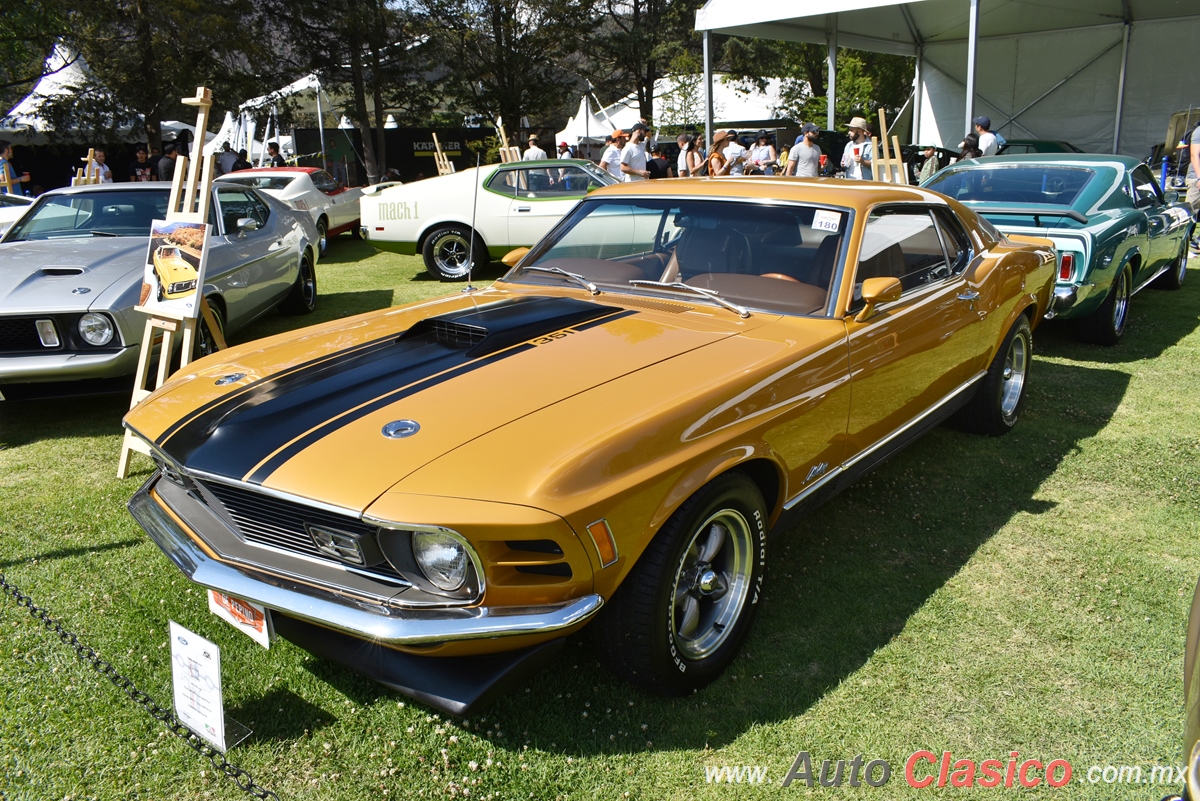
{"x":268,"y":182}
{"x":1046,"y":184}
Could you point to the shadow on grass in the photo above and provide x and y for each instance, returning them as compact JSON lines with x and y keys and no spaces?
{"x":279,"y":715}
{"x":68,"y":553}
{"x":843,"y":581}
{"x":1158,"y":319}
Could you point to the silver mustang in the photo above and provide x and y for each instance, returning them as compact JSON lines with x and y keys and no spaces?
{"x":71,"y":273}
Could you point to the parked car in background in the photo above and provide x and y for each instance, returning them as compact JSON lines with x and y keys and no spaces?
{"x":71,"y":273}
{"x":1114,"y":229}
{"x":665,"y":373}
{"x":1017,"y":147}
{"x":12,"y":206}
{"x":512,"y":205}
{"x":332,"y":205}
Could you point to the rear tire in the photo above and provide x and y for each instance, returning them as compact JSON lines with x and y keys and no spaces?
{"x":1106,"y":325}
{"x":997,"y":404}
{"x":322,"y":236}
{"x":446,"y":253}
{"x":303,"y":297}
{"x":1173,"y":278}
{"x":680,"y":616}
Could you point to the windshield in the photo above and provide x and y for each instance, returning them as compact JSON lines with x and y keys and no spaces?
{"x":268,"y":182}
{"x":1024,"y":183}
{"x":114,"y":213}
{"x":768,"y":257}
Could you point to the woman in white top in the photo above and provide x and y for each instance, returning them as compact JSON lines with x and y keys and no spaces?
{"x":689,"y":158}
{"x":762,"y":154}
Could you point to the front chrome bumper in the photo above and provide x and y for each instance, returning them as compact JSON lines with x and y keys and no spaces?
{"x":373,"y":622}
{"x":26,"y":368}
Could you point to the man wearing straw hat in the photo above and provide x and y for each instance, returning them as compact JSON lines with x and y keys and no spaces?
{"x":856,"y":158}
{"x":534,"y":152}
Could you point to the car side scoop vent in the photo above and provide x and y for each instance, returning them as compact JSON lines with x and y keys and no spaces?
{"x":495,"y":326}
{"x":62,"y":271}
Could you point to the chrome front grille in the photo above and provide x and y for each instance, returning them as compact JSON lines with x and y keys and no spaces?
{"x":265,"y":520}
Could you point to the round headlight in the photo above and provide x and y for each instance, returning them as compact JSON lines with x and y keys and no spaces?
{"x":96,"y":329}
{"x":442,"y":559}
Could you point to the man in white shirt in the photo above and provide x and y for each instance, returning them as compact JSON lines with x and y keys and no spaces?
{"x":857,"y":158}
{"x":735,"y":155}
{"x":226,"y":159}
{"x":633,"y":155}
{"x":100,"y":168}
{"x":988,"y":143}
{"x":534,"y":152}
{"x":611,"y":158}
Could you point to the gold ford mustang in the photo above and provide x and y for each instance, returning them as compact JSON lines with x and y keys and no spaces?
{"x":437,"y":494}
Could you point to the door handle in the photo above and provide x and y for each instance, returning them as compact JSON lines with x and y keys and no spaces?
{"x":969,"y":295}
{"x":524,"y":208}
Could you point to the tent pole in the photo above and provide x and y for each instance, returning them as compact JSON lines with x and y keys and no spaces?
{"x":831,"y":47}
{"x":1121,"y":90}
{"x":321,"y":124}
{"x":708,"y":92}
{"x":917,"y":97}
{"x":972,"y":45}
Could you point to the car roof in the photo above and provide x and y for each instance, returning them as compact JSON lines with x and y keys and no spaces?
{"x":827,"y":191}
{"x":540,"y":163}
{"x":273,"y":171}
{"x":1056,"y":159}
{"x":124,"y":186}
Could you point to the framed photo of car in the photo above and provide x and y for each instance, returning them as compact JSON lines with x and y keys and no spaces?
{"x":175,"y":265}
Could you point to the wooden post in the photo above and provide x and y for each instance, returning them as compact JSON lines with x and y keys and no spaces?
{"x":888,"y":165}
{"x":507,"y":154}
{"x":444,"y":166}
{"x":90,"y":172}
{"x":191,"y":196}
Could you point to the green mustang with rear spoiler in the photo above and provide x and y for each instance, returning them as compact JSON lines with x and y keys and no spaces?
{"x":1114,"y":229}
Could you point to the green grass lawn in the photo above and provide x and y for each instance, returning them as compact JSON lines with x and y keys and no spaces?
{"x":978,"y":596}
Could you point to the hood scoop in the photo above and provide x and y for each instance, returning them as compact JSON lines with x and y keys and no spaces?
{"x":496,"y":326}
{"x":61,"y":270}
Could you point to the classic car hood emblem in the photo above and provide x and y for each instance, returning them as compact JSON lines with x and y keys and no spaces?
{"x":399,"y":429}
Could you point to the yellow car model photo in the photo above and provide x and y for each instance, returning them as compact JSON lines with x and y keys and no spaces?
{"x":438,"y":494}
{"x":176,"y":277}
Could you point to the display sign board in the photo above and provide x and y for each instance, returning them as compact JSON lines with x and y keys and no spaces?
{"x":175,"y":267}
{"x":196,"y":677}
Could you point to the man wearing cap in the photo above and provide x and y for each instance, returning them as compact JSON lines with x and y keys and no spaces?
{"x":633,"y":155}
{"x":856,"y":158}
{"x":534,"y":152}
{"x":988,"y":143}
{"x":804,"y":159}
{"x":610,"y":159}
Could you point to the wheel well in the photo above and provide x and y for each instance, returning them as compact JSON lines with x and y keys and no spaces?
{"x":324,"y":218}
{"x":1134,"y":263}
{"x":446,"y":223}
{"x":214,"y":299}
{"x":765,"y":474}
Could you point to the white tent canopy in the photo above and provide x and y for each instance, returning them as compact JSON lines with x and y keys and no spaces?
{"x":65,"y":73}
{"x":1091,"y":72}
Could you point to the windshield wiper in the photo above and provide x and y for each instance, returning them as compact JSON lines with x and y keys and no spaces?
{"x":711,"y":294}
{"x":576,"y":277}
{"x":94,"y":232}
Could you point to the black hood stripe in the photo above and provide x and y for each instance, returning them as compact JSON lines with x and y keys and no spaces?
{"x":256,"y":429}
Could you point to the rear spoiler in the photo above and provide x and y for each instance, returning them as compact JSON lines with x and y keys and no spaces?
{"x":1050,"y":211}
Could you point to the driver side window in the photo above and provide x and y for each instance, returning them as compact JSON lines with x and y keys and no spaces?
{"x":900,"y":243}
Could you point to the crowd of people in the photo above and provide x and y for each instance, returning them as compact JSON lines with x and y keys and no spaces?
{"x":636,"y":155}
{"x":149,"y":164}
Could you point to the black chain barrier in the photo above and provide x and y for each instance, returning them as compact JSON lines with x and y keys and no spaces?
{"x":89,"y":657}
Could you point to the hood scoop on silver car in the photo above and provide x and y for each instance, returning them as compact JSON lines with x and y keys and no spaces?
{"x":61,"y":270}
{"x":496,"y":326}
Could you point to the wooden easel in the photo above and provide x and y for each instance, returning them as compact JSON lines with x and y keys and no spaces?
{"x":888,"y":166}
{"x":507,"y":153}
{"x":444,"y":165}
{"x":191,"y":195}
{"x":7,"y":183}
{"x":89,"y":173}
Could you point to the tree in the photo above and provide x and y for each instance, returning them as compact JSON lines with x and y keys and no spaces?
{"x":866,"y":82}
{"x":30,"y":30}
{"x":639,"y":42}
{"x":510,"y":58}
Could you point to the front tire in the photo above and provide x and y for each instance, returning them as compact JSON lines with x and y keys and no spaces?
{"x":303,"y":297}
{"x":1106,"y":325}
{"x":680,"y":616}
{"x":447,"y":250}
{"x":997,"y":405}
{"x":205,"y":343}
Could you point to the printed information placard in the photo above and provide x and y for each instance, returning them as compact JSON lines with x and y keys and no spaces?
{"x":196,"y":676}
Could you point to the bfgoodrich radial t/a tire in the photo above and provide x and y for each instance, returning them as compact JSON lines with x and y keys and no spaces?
{"x":447,"y":253}
{"x":681,"y":614}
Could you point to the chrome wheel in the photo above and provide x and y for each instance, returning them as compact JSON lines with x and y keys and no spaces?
{"x":1012,"y":377}
{"x":711,"y":583}
{"x":322,"y":236}
{"x":450,"y":254}
{"x":1120,"y":307}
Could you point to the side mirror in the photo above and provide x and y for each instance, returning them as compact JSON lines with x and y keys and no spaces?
{"x":245,"y":224}
{"x":513,"y":256}
{"x":1172,"y":195}
{"x":876,"y":291}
